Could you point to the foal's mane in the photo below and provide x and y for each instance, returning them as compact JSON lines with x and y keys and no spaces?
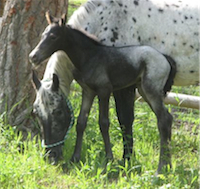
{"x":82,"y":31}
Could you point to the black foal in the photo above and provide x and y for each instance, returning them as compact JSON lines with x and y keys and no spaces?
{"x":101,"y":70}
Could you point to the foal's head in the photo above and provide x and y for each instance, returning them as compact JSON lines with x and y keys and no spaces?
{"x":51,"y":40}
{"x":54,"y":114}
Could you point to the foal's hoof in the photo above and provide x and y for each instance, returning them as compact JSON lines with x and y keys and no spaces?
{"x":163,"y":169}
{"x":75,"y":159}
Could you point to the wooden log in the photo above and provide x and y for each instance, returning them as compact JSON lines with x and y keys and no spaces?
{"x":182,"y":100}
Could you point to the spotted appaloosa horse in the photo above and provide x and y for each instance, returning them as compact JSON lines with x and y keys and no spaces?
{"x":52,"y":105}
{"x":170,"y":26}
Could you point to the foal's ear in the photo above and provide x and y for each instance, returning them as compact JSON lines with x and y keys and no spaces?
{"x":50,"y":19}
{"x":35,"y":81}
{"x":55,"y":84}
{"x":63,"y":20}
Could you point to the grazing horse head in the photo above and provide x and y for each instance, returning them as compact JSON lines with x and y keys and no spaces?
{"x":54,"y":113}
{"x":52,"y":35}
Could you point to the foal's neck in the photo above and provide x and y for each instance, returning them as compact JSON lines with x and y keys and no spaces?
{"x":79,"y":47}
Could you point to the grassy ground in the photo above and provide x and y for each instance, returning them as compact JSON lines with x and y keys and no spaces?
{"x":22,"y":164}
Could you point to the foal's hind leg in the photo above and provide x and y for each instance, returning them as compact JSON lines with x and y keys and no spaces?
{"x":124,"y":100}
{"x":164,"y":121}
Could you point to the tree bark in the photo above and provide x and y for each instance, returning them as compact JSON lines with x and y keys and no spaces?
{"x":20,"y":29}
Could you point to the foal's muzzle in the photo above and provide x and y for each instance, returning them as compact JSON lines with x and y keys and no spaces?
{"x":34,"y":58}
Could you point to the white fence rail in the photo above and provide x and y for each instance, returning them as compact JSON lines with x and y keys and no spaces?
{"x":182,"y":100}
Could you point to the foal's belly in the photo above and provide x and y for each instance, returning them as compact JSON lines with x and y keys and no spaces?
{"x":124,"y":76}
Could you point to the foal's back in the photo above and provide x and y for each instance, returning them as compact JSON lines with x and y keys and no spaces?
{"x":121,"y":67}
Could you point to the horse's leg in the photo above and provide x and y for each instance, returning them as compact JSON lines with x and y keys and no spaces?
{"x":87,"y":100}
{"x":104,"y":123}
{"x":164,"y":121}
{"x":124,"y":100}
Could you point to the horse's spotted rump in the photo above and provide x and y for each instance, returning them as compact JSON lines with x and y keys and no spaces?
{"x":171,"y":26}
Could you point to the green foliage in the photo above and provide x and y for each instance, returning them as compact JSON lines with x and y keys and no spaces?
{"x":73,"y":5}
{"x":22,"y":163}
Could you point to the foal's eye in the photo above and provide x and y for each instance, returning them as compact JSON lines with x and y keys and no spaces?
{"x":53,"y":36}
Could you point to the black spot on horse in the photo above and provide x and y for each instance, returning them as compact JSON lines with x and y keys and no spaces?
{"x":177,"y":6}
{"x":102,"y":40}
{"x":192,"y":71}
{"x":115,"y":36}
{"x":175,"y":21}
{"x":185,"y":17}
{"x":160,"y":10}
{"x":136,"y":2}
{"x":134,"y":19}
{"x":139,"y":38}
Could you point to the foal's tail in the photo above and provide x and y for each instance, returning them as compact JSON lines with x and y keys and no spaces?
{"x":170,"y":80}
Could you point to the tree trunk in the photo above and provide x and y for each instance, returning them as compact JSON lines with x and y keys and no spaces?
{"x":21,"y":26}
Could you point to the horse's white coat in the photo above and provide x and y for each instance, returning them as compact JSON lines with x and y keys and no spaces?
{"x":170,"y":26}
{"x":59,"y":64}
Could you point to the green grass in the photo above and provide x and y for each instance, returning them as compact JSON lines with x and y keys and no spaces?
{"x":22,"y":164}
{"x":73,"y":5}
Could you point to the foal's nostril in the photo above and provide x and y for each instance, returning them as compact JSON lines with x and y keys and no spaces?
{"x":33,"y":58}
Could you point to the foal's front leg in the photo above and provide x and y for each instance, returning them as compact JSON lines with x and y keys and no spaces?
{"x":104,"y":123}
{"x":87,"y":100}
